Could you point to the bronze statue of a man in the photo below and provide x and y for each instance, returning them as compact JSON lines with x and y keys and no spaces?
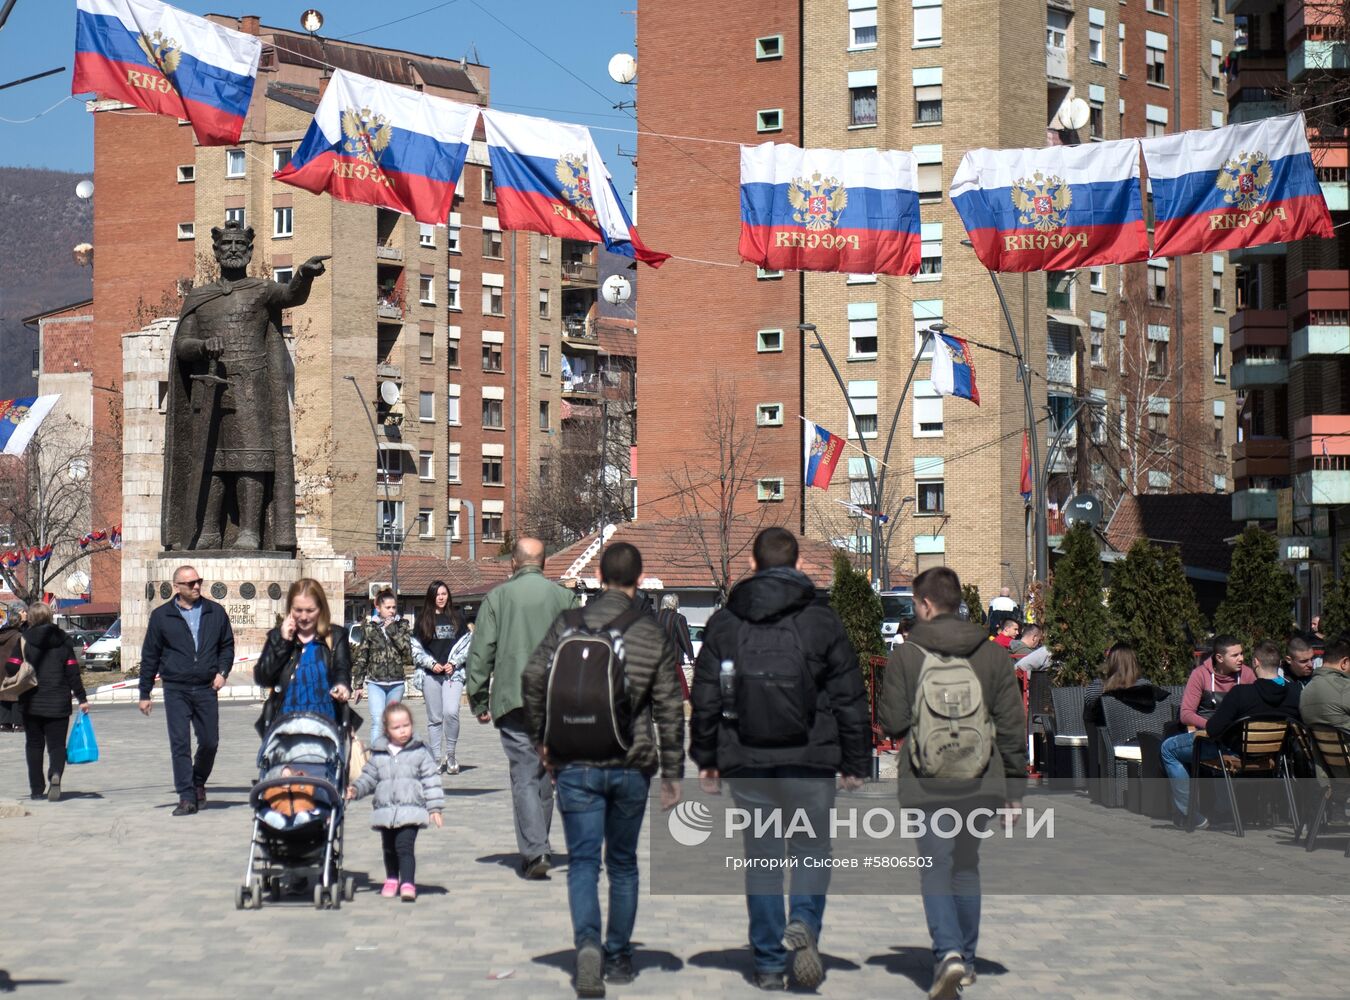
{"x":229,"y":478}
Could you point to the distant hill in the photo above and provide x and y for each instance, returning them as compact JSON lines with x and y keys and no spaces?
{"x":40,"y":221}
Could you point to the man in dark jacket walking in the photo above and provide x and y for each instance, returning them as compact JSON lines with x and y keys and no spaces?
{"x":781,"y":752}
{"x":189,"y":645}
{"x":951,"y":885}
{"x":603,"y":801}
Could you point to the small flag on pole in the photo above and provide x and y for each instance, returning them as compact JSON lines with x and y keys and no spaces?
{"x":823,"y":451}
{"x":953,"y":369}
{"x":20,"y":419}
{"x":1026,"y":468}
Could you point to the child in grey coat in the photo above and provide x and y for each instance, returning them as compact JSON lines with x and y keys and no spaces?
{"x":407,"y":784}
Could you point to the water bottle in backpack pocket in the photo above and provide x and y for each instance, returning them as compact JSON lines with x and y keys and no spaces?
{"x":951,"y":735}
{"x":775,"y":690}
{"x":588,"y":715}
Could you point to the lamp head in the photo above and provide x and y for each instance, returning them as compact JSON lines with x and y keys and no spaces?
{"x":311,"y":20}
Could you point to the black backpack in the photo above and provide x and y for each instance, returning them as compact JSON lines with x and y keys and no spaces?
{"x":588,"y":715}
{"x":775,"y":689}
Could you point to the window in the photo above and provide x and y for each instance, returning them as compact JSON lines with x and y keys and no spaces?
{"x":862,"y":331}
{"x":452,"y":524}
{"x":389,"y":523}
{"x":234,"y":163}
{"x":492,"y":526}
{"x":283,"y":222}
{"x":187,"y":173}
{"x":489,"y":189}
{"x":1097,"y":36}
{"x":769,"y":120}
{"x":424,"y":466}
{"x":769,"y":490}
{"x":1122,"y":116}
{"x":862,"y":24}
{"x":452,"y":233}
{"x":927,"y":23}
{"x":1096,"y":121}
{"x":762,"y":275}
{"x":545,"y":306}
{"x":1216,"y":119}
{"x":1120,"y":347}
{"x":544,"y":244}
{"x":1157,"y":281}
{"x":426,"y":235}
{"x":927,"y":410}
{"x":452,"y":290}
{"x":1097,"y":279}
{"x":1096,"y":338}
{"x":452,"y":464}
{"x":1059,"y":288}
{"x":1216,"y":66}
{"x":862,"y":98}
{"x":769,"y":341}
{"x":543,"y":360}
{"x":492,"y":470}
{"x":929,"y":160}
{"x":281,"y":158}
{"x":862,"y":396}
{"x":769,"y":47}
{"x":1155,"y":58}
{"x":769,"y":415}
{"x":1155,"y":120}
{"x":930,"y":250}
{"x":283,"y":275}
{"x":426,"y":289}
{"x":494,"y":304}
{"x":492,"y":357}
{"x":929,"y":487}
{"x":859,"y":483}
{"x":926,"y":313}
{"x":492,"y":241}
{"x":1157,"y":6}
{"x":187,"y":230}
{"x":1218,"y":427}
{"x":1216,"y":282}
{"x":1217,"y":336}
{"x":1216,"y":10}
{"x":426,"y":346}
{"x":544,"y":415}
{"x":426,"y":406}
{"x":388,"y":465}
{"x":234,"y":215}
{"x":860,"y":279}
{"x":1057,"y":24}
{"x":452,"y":348}
{"x":424,"y":522}
{"x":1158,"y":337}
{"x":452,"y":405}
{"x":927,"y":96}
{"x":1159,"y":482}
{"x":1120,"y":48}
{"x":1097,"y":416}
{"x":492,"y":414}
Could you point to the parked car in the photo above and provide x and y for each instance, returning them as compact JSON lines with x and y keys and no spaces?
{"x":100,"y":653}
{"x":81,"y":639}
{"x":896,"y":606}
{"x":696,"y":638}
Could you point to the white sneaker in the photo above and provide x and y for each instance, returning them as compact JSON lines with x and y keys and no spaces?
{"x":947,"y":976}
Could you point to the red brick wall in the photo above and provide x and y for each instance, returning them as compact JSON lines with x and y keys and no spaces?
{"x":695,"y":320}
{"x":65,"y":346}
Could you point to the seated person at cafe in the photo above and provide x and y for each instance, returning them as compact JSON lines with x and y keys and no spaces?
{"x":1007,"y":632}
{"x":1269,"y":696}
{"x":1121,"y":678}
{"x":1035,"y":654}
{"x":1326,"y":699}
{"x":1206,"y":687}
{"x":1297,"y":668}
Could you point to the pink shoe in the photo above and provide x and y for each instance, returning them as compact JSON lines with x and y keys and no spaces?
{"x":408,"y":892}
{"x":390,"y":888}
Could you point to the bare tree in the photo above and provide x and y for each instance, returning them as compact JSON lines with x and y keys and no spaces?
{"x":840,"y":525}
{"x":583,"y":485}
{"x":45,"y":501}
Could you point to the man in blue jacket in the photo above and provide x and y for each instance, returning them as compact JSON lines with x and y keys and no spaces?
{"x":189,"y":645}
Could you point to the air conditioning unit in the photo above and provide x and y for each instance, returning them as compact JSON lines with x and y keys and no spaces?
{"x":376,"y":587}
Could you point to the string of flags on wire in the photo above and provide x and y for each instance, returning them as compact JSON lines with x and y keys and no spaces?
{"x":14,"y":558}
{"x":113,"y":536}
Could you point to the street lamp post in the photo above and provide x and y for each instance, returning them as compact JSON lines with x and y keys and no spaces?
{"x":387,"y":528}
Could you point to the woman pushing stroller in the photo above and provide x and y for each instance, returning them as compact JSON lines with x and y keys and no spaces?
{"x":306,"y":662}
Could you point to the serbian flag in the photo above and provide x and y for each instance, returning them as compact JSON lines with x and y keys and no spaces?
{"x":953,"y":372}
{"x":823,"y":451}
{"x":850,"y":210}
{"x":167,"y":61}
{"x":376,"y":143}
{"x":1236,"y":186}
{"x":42,"y":554}
{"x":20,"y":419}
{"x":1026,"y":468}
{"x":1052,"y":209}
{"x":549,"y":178}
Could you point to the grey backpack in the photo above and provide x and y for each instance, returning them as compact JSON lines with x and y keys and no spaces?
{"x":951,"y":735}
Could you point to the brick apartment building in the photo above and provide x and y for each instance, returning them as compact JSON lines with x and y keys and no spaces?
{"x":455,"y":335}
{"x":897,"y":74}
{"x":1290,"y":334}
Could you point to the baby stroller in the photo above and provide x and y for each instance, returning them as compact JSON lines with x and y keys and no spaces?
{"x":298,"y":810}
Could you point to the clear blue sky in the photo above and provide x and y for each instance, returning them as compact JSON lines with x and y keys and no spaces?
{"x":40,"y":35}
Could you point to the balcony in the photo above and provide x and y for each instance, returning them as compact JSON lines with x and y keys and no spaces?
{"x":1256,"y":70}
{"x":1260,"y":371}
{"x":1255,"y":505}
{"x":1332,"y":181}
{"x":1252,"y":8}
{"x":1260,"y":456}
{"x":1322,"y":436}
{"x":578,"y":273}
{"x":580,"y":328}
{"x":582,"y":386}
{"x":1324,"y":487}
{"x":1317,"y":56}
{"x":384,"y":369}
{"x":1258,"y":328}
{"x":389,"y":309}
{"x":385,"y":252}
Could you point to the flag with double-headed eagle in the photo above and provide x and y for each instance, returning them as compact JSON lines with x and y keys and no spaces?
{"x":854,"y":211}
{"x":375,"y":143}
{"x":20,"y":419}
{"x":167,"y":61}
{"x":823,"y":451}
{"x":1052,"y":209}
{"x":548,"y":178}
{"x":953,"y":372}
{"x":1236,"y":186}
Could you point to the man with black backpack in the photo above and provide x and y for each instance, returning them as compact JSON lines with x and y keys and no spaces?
{"x":949,"y":694}
{"x":596,"y":687}
{"x":779,"y":709}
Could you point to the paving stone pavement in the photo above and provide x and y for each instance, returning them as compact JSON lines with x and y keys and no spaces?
{"x":109,"y":896}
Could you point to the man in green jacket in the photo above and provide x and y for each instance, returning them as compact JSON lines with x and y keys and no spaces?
{"x":1326,"y":699}
{"x":514,"y":617}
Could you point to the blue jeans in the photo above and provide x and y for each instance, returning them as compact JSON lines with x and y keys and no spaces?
{"x":602,"y":808}
{"x":1178,"y":754}
{"x":951,"y":889}
{"x":789,"y":791}
{"x":380,"y":694}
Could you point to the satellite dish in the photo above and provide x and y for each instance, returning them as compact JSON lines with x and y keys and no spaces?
{"x":389,"y":392}
{"x":623,"y":68}
{"x":1074,"y":114}
{"x":1085,"y":508}
{"x":78,"y":583}
{"x":617,"y":289}
{"x":84,"y":189}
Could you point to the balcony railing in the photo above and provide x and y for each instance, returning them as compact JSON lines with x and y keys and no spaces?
{"x":577,"y":272}
{"x":384,"y":369}
{"x":385,"y":252}
{"x":579,"y":328}
{"x":583,"y":385}
{"x":389,"y":309}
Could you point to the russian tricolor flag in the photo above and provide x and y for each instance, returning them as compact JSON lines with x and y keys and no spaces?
{"x":167,"y":61}
{"x":823,"y":451}
{"x":854,"y":210}
{"x":20,"y":420}
{"x":376,"y":143}
{"x":1052,"y":209}
{"x":550,"y":179}
{"x":1237,"y":186}
{"x":953,"y":372}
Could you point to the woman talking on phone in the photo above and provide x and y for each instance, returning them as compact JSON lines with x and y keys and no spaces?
{"x":305,"y":661}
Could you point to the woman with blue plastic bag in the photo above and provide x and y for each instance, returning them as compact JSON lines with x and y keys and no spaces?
{"x":46,"y":708}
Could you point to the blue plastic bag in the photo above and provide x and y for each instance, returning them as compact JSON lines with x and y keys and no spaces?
{"x":81,"y":747}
